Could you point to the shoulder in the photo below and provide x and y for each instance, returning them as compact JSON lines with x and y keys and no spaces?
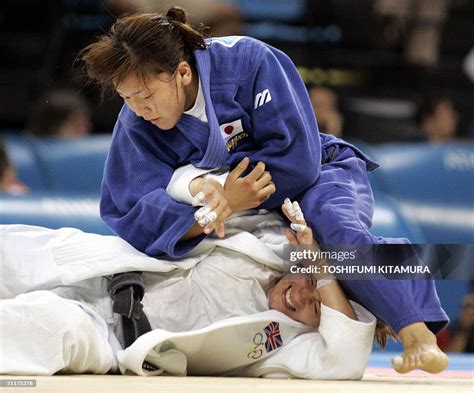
{"x":235,"y":44}
{"x":234,"y":56}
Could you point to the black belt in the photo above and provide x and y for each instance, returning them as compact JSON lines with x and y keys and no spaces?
{"x":126,"y":291}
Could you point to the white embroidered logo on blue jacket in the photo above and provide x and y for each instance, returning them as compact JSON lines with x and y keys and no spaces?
{"x":262,"y":98}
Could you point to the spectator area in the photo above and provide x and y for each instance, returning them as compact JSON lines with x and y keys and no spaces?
{"x":423,"y":192}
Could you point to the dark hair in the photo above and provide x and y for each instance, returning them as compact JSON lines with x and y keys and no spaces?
{"x":52,"y":109}
{"x":143,"y":45}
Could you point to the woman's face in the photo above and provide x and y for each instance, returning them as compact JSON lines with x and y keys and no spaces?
{"x":297,"y":297}
{"x":162,"y":99}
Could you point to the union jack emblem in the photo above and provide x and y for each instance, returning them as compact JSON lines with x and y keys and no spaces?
{"x":274,"y":340}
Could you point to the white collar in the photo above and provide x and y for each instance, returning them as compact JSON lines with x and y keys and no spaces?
{"x":199,"y":108}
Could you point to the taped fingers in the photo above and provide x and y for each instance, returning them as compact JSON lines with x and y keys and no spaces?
{"x":201,"y":213}
{"x":208,"y":218}
{"x":294,"y":211}
{"x":213,"y":219}
{"x":298,"y":214}
{"x":199,"y":199}
{"x":288,"y":207}
{"x":298,"y":227}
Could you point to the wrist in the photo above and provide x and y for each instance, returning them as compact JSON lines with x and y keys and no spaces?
{"x":231,"y":203}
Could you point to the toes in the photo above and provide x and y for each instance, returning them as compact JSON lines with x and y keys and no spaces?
{"x":429,"y":361}
{"x":398,"y":364}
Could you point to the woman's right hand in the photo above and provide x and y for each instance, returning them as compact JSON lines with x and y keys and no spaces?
{"x":250,"y":191}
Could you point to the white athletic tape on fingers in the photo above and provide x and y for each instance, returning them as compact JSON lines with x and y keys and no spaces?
{"x":298,"y":227}
{"x":203,"y":222}
{"x":212,"y":216}
{"x":298,"y":214}
{"x":199,"y":199}
{"x":206,"y":220}
{"x":289,"y":208}
{"x":202,"y":212}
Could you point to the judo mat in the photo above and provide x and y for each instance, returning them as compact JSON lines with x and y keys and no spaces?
{"x":459,"y":378}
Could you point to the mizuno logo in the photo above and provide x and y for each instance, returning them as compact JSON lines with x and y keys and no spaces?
{"x":262,"y":98}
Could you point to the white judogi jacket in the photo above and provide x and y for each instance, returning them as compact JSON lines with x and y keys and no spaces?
{"x":265,"y":344}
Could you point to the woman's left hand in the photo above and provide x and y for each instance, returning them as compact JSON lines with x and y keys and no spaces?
{"x":302,"y":232}
{"x":216,"y":209}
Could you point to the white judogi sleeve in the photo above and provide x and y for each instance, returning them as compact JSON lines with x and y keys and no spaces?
{"x":178,"y":187}
{"x":339,"y":350}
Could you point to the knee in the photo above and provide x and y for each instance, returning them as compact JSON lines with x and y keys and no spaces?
{"x":341,"y":224}
{"x":48,"y":334}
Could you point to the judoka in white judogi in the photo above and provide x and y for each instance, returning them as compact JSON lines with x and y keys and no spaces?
{"x":209,"y":311}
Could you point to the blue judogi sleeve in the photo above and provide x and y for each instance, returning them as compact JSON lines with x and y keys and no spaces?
{"x":134,"y":202}
{"x":284,"y":126}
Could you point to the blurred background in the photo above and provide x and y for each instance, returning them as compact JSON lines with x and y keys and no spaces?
{"x":394,"y":77}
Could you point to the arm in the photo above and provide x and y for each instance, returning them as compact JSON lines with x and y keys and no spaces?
{"x":134,"y":202}
{"x":224,"y":195}
{"x":284,"y":125}
{"x":330,"y":291}
{"x":334,"y":297}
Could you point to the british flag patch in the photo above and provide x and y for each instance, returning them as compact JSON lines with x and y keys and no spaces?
{"x":274,"y":340}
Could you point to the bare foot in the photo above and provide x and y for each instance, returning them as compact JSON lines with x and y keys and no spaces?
{"x":420,"y":351}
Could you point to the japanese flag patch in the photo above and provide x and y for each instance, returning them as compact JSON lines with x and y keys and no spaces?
{"x":229,"y":130}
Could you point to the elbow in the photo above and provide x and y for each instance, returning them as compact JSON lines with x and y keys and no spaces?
{"x":355,"y":371}
{"x":343,"y":367}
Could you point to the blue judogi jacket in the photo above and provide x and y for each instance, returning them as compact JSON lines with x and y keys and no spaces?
{"x":245,"y":82}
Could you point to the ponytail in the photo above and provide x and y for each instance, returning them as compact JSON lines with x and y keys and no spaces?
{"x":382,"y":333}
{"x":193,"y":39}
